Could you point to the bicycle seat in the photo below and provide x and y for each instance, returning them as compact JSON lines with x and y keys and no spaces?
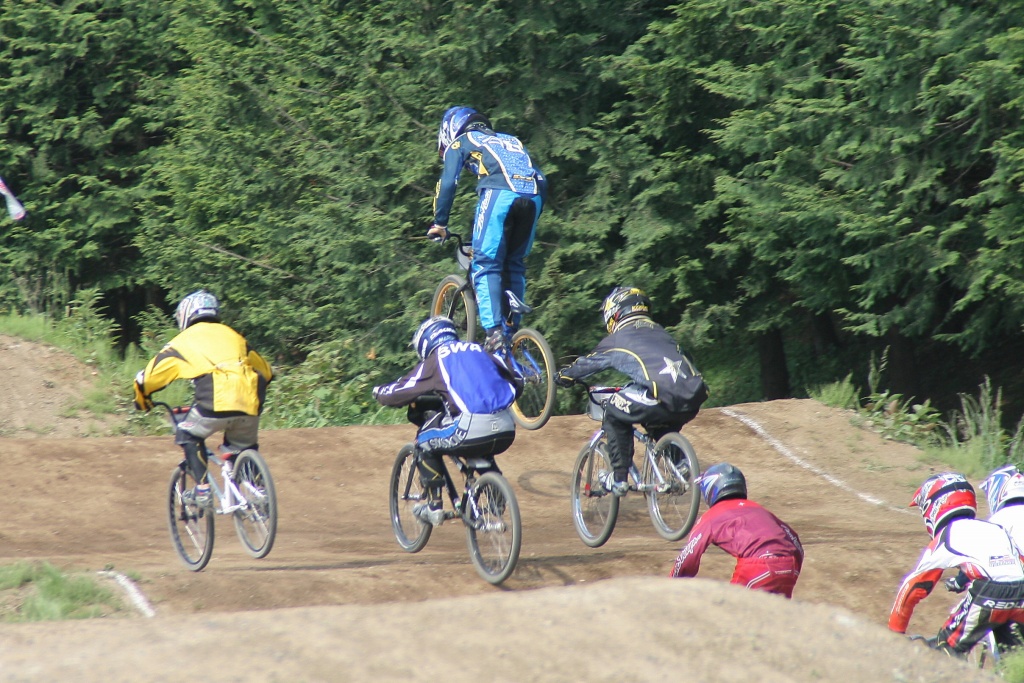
{"x":516,"y":304}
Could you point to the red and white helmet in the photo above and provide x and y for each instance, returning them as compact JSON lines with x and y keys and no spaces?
{"x":942,"y":497}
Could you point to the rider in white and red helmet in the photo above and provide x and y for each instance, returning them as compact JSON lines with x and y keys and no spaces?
{"x":982,"y":551}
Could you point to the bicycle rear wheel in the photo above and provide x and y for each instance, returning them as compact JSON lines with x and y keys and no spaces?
{"x":535,"y":363}
{"x":405,"y":491}
{"x":256,"y":523}
{"x":191,"y":527}
{"x":594,"y":508}
{"x":672,"y":499}
{"x":494,"y":530}
{"x":454,"y":299}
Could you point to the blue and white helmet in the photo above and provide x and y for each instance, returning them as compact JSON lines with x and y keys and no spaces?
{"x":721,"y":481}
{"x":1002,"y":486}
{"x":454,"y":123}
{"x":432,"y":333}
{"x":199,"y":305}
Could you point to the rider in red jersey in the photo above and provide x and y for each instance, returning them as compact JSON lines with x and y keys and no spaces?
{"x":767,"y":551}
{"x":992,"y":573}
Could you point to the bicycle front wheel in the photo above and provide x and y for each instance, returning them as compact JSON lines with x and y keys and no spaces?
{"x":454,"y":298}
{"x":494,"y":530}
{"x":594,"y":508}
{"x":256,"y":523}
{"x":191,"y":527}
{"x":405,"y":492}
{"x":535,"y":363}
{"x":670,"y":485}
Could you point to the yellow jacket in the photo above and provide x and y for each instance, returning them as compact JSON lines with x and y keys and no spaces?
{"x":229,"y":377}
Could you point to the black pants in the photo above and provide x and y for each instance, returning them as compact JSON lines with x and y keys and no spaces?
{"x":621,"y":413}
{"x":988,"y":605}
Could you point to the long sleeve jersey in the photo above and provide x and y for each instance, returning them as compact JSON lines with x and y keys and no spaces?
{"x":980,"y":549}
{"x":467,"y":378}
{"x":651,"y":358}
{"x":229,"y":378}
{"x":499,"y":161}
{"x":741,"y":528}
{"x":1011,"y":518}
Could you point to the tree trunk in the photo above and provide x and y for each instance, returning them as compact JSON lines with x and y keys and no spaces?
{"x":902,"y":368}
{"x":774,"y":373}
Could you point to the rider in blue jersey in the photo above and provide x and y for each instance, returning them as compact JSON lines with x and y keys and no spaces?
{"x":459,"y":396}
{"x":511,"y":192}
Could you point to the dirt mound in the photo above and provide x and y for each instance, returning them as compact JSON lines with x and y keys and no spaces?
{"x":338,"y":600}
{"x":43,"y":388}
{"x":640,"y":629}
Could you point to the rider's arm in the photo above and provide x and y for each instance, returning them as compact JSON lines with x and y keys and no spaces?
{"x":687,"y":564}
{"x":444,"y":193}
{"x":915,"y":588}
{"x":260,"y":365}
{"x":423,"y":379}
{"x":163,"y":369}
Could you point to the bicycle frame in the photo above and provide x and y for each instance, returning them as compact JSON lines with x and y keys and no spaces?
{"x":525,"y":352}
{"x":470,"y":471}
{"x":228,"y":496}
{"x":649,"y":444}
{"x":464,"y":257}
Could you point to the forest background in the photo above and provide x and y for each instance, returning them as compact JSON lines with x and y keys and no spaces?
{"x":808,"y":190}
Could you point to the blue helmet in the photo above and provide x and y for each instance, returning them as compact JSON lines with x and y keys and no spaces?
{"x":432,"y":333}
{"x":454,"y":123}
{"x":721,"y":481}
{"x":1003,"y":485}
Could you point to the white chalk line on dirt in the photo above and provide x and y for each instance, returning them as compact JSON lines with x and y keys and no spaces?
{"x":782,"y":449}
{"x":133,"y":592}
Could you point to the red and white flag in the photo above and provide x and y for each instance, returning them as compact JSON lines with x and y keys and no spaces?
{"x":14,"y":208}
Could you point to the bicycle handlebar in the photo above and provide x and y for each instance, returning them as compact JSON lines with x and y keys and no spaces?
{"x":172,"y":411}
{"x":467,"y":250}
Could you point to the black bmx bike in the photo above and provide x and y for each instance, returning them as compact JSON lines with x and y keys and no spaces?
{"x":245,"y":493}
{"x":527,"y":352}
{"x":667,"y":478}
{"x":486,"y":504}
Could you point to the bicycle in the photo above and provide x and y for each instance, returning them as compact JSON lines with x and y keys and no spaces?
{"x":487,"y":507}
{"x":246,"y":492}
{"x":667,"y":480}
{"x":985,"y":654}
{"x":528,"y":353}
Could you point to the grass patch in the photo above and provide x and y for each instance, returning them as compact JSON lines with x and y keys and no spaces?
{"x":38,"y":591}
{"x":1011,"y":667}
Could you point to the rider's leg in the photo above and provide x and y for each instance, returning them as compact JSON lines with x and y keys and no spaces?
{"x":618,"y":427}
{"x":520,"y":230}
{"x":432,"y":441}
{"x":240,"y":433}
{"x":194,"y":456}
{"x":483,"y":437}
{"x":489,"y":255}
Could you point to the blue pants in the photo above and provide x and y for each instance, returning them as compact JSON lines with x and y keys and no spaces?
{"x":503,"y":233}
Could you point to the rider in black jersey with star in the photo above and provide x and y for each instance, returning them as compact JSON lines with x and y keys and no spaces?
{"x":665,"y":389}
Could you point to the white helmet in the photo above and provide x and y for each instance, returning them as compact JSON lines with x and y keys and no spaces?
{"x":199,"y":305}
{"x":1002,"y":486}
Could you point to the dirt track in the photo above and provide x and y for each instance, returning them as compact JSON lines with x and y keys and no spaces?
{"x":86,"y":504}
